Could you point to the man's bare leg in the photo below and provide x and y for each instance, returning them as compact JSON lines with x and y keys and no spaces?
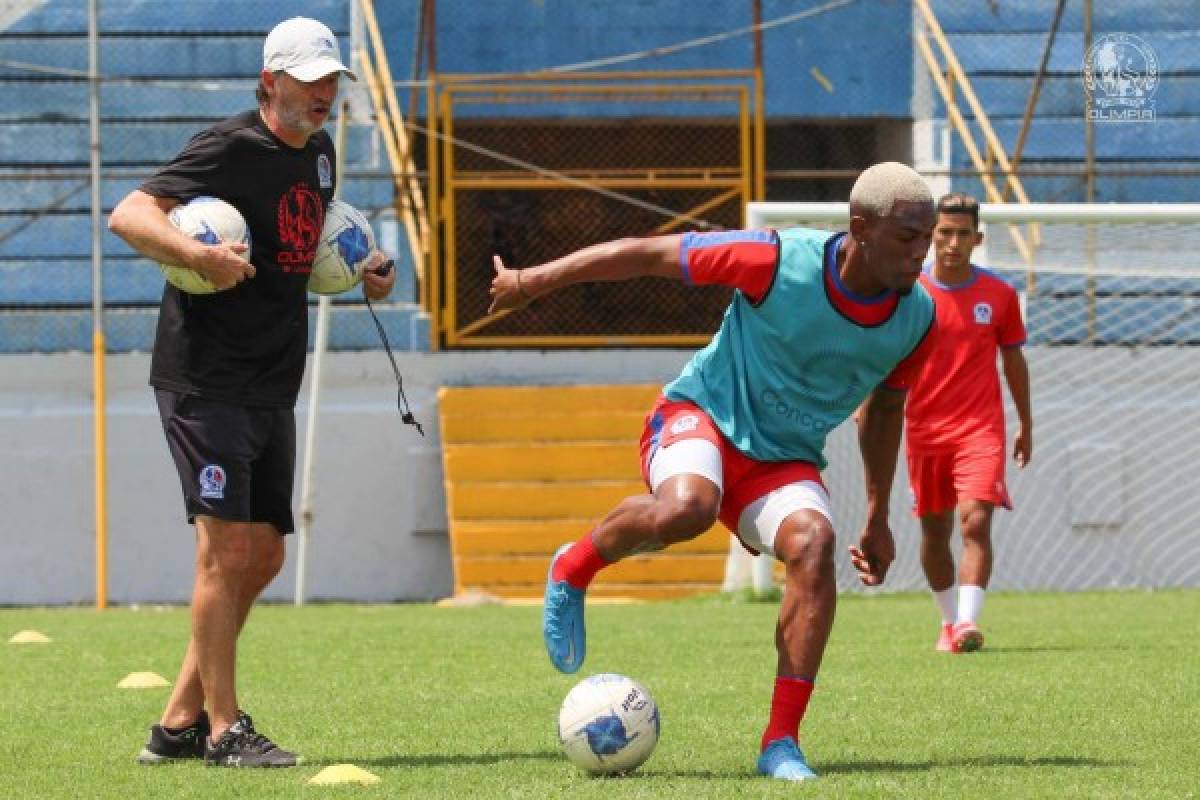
{"x":805,"y":543}
{"x":682,"y":508}
{"x":974,"y":572}
{"x":936,"y":559}
{"x":975,"y":518}
{"x":187,"y":696}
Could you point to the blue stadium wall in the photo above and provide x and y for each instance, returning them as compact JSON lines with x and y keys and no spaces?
{"x":863,"y":51}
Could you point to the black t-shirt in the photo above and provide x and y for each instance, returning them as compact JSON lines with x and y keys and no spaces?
{"x":246,"y":345}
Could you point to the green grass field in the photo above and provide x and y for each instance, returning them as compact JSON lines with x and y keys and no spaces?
{"x":1076,"y":695}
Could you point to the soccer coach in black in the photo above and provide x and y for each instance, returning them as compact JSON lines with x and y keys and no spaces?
{"x":227,"y":366}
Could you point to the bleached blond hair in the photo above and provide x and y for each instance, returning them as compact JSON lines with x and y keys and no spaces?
{"x":881,"y":186}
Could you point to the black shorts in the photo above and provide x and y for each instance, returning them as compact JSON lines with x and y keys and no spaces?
{"x":234,"y":462}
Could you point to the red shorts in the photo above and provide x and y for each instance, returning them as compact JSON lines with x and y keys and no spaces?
{"x":940,"y":481}
{"x":745,"y":479}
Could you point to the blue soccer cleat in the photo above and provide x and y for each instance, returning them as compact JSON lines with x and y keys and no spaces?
{"x":784,"y":761}
{"x":562,"y":621}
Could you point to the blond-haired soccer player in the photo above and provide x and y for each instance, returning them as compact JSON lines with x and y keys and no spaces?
{"x":955,"y":419}
{"x":819,"y":323}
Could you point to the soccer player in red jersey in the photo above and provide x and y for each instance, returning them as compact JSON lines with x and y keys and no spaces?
{"x":954,"y":419}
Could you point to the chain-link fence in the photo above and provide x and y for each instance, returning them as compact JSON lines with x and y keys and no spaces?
{"x":524,"y":179}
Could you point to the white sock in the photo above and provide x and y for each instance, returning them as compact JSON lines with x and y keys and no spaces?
{"x":947,"y":603}
{"x":970,"y":603}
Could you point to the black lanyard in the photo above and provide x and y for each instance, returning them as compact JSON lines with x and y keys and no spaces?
{"x":406,"y":414}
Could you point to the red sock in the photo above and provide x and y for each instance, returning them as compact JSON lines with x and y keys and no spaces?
{"x":788,"y":703}
{"x":580,"y":564}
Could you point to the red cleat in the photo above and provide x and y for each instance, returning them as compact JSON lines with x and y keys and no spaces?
{"x":967,"y":637}
{"x":945,"y":642}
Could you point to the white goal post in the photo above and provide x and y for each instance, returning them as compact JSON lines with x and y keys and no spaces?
{"x":1111,"y":296}
{"x":768,"y":215}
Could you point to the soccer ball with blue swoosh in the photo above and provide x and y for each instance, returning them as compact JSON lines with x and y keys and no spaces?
{"x":608,"y":724}
{"x":209,"y":220}
{"x":342,"y":251}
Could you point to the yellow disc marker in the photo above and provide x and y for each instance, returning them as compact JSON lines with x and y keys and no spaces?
{"x":143,"y":680}
{"x":29,"y":637}
{"x":343,"y":773}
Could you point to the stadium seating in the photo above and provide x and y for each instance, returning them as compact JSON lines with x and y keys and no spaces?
{"x":1000,"y":49}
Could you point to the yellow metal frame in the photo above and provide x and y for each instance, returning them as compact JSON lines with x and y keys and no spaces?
{"x":410,"y":203}
{"x":742,"y":88}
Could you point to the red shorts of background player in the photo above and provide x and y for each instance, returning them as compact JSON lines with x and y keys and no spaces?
{"x":941,"y":481}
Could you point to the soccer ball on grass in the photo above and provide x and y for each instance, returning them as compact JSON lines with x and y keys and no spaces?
{"x":608,"y":724}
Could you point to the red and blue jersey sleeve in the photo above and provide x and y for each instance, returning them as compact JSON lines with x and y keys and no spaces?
{"x":908,"y":370}
{"x":1011,"y":330}
{"x":745,"y":260}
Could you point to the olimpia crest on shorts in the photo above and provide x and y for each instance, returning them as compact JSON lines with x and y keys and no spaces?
{"x":212,"y":482}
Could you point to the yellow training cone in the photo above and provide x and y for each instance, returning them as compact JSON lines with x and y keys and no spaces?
{"x":29,"y":637}
{"x":143,"y":680}
{"x":343,"y":773}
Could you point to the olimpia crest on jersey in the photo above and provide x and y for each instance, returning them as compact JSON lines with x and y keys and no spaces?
{"x":324,"y":172}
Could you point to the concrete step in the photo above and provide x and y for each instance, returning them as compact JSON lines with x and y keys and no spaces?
{"x":535,"y":499}
{"x":546,"y":426}
{"x":543,"y":461}
{"x":525,"y":537}
{"x":503,"y":401}
{"x":531,"y":571}
{"x":528,"y":468}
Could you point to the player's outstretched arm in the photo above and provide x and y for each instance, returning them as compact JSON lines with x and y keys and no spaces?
{"x":1016,"y":375}
{"x":880,"y":423}
{"x":619,"y":260}
{"x":141,"y":220}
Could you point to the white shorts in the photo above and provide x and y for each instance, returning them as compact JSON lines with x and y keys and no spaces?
{"x":759,"y":522}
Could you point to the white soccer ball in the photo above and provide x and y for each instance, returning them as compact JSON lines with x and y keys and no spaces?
{"x":608,"y":724}
{"x":345,"y":244}
{"x":209,"y":220}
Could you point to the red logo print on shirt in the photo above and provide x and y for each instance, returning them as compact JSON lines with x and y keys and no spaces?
{"x":300,"y":217}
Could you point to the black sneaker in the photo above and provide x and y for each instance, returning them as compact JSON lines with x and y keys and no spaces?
{"x":242,"y":746}
{"x":166,"y":746}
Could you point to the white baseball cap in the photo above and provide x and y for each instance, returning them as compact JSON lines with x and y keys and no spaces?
{"x":304,"y":49}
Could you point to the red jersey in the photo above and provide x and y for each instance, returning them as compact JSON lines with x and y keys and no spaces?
{"x":956,"y":399}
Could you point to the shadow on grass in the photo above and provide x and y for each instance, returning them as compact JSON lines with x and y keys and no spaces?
{"x":852,"y":767}
{"x":703,"y":774}
{"x":1045,"y":648}
{"x":833,"y":767}
{"x":823,"y":768}
{"x":485,"y":759}
{"x":438,"y":759}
